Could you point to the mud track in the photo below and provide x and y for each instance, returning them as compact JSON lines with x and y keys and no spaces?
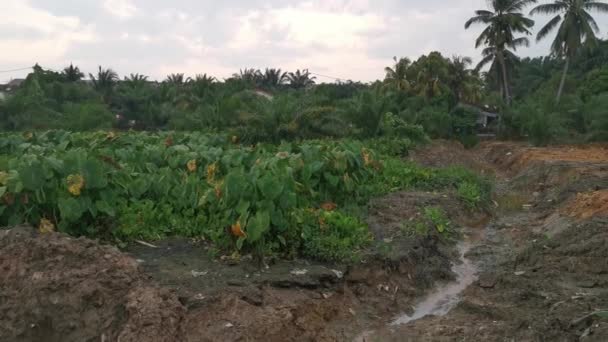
{"x":536,"y":269}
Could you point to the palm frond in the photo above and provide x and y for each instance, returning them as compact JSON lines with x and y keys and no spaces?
{"x":550,"y":26}
{"x":549,"y":8}
{"x":519,"y":42}
{"x":601,"y":7}
{"x":589,"y":19}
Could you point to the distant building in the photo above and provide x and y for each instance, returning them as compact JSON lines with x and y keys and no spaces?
{"x":485,"y":119}
{"x":10,"y":87}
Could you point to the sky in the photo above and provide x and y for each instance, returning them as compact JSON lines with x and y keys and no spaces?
{"x":346,"y":39}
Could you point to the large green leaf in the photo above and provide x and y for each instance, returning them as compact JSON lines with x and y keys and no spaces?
{"x":70,"y":209}
{"x":105,"y":208}
{"x":257,"y":226}
{"x":32,"y":176}
{"x":270,"y":186}
{"x":94,"y":175}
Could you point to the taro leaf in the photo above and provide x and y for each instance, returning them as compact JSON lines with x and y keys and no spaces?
{"x":2,"y":191}
{"x":258,"y":225}
{"x":105,"y":208}
{"x":70,"y":209}
{"x":242,"y":208}
{"x":32,"y":176}
{"x":234,"y":187}
{"x":55,"y":164}
{"x":333,"y":180}
{"x":93,"y":172}
{"x":288,"y":200}
{"x":270,"y":187}
{"x":138,"y":187}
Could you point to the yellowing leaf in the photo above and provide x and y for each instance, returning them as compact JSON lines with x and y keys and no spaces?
{"x":367,"y":159}
{"x":46,"y":226}
{"x":192,"y":165}
{"x":75,"y":184}
{"x":329,"y":206}
{"x":3,"y":177}
{"x":211,"y":170}
{"x":237,"y":230}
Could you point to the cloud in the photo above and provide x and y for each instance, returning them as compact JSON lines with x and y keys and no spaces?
{"x":38,"y":35}
{"x":352,"y":39}
{"x":123,"y":9}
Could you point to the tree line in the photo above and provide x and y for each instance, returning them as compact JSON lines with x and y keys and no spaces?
{"x":560,"y":97}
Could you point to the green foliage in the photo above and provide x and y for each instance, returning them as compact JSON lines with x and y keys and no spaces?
{"x":260,"y":199}
{"x":434,"y":221}
{"x":438,"y":219}
{"x":332,"y":235}
{"x":596,"y":117}
{"x":470,"y":194}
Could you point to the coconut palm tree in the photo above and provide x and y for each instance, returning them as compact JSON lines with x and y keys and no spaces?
{"x":72,"y":73}
{"x":396,"y":77}
{"x":464,"y":82}
{"x":576,"y":28}
{"x":490,"y":56}
{"x":503,"y":22}
{"x":300,"y":79}
{"x":430,"y":73}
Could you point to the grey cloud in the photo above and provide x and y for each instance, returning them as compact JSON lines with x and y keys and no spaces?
{"x":172,"y":33}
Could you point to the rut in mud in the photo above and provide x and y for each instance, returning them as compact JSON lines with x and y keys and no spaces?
{"x":536,"y":271}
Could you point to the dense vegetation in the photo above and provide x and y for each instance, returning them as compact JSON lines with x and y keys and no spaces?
{"x":280,"y":165}
{"x":286,"y":199}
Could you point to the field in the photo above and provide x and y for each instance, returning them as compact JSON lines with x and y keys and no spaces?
{"x":316,"y":240}
{"x":288,"y":200}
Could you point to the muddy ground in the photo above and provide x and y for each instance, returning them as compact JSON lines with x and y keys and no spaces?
{"x":540,"y":258}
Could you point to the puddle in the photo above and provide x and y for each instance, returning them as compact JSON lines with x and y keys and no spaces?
{"x":445,"y":297}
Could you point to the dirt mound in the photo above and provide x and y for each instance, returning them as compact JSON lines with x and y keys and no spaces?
{"x":444,"y":153}
{"x":515,"y":157}
{"x":56,"y":288}
{"x":587,"y":205}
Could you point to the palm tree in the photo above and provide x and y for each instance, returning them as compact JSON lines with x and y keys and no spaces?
{"x":136,"y":80}
{"x":273,"y":78}
{"x":462,"y":81}
{"x":201,"y":78}
{"x":576,"y":28}
{"x":430,"y":73}
{"x":301,"y":79}
{"x":175,"y":79}
{"x":252,"y":76}
{"x":72,"y":73}
{"x":396,"y":77}
{"x":105,"y":81}
{"x":502,"y":24}
{"x":490,"y":56}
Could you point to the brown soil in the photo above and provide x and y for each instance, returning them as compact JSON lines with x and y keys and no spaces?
{"x":587,"y":205}
{"x":544,"y":263}
{"x":542,"y":258}
{"x":55,"y":288}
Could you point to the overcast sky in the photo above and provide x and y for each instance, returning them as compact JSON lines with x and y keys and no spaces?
{"x":350,"y":39}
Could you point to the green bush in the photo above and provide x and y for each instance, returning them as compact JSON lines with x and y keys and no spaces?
{"x":332,"y":235}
